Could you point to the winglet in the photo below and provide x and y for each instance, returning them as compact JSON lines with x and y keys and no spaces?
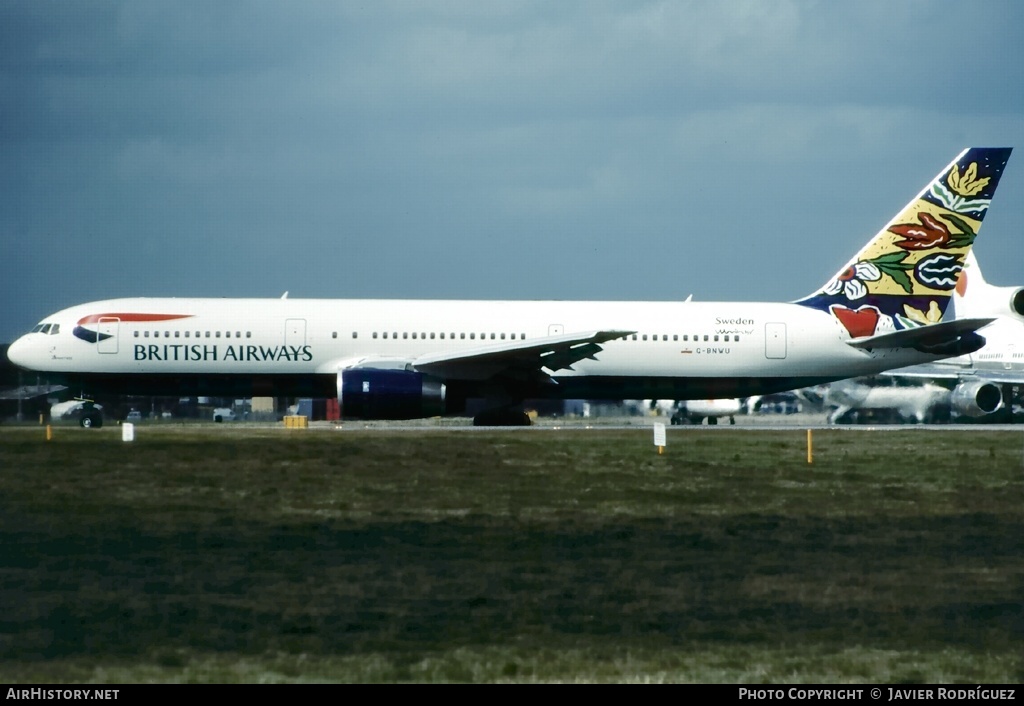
{"x":905,"y":276}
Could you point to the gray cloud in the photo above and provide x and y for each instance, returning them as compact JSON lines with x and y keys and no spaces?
{"x":626,"y":150}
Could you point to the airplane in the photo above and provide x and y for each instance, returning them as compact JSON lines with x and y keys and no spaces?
{"x":696,"y":411}
{"x":406,"y":359}
{"x":852,"y":400}
{"x":75,"y":409}
{"x":692,"y":411}
{"x":980,"y":378}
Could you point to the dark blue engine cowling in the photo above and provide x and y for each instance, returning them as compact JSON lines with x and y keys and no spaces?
{"x":389,"y":394}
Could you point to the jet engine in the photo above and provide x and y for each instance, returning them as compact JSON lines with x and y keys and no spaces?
{"x":976,"y":399}
{"x":1017,"y":302}
{"x":366,"y":393}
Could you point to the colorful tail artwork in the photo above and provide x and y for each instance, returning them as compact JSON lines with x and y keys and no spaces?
{"x":904,"y":278}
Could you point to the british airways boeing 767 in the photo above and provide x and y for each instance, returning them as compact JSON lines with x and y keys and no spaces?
{"x":403,"y":359}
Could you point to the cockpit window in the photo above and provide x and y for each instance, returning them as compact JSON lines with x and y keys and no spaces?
{"x":48,"y":329}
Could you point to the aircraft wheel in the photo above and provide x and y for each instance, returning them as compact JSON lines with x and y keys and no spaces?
{"x":91,"y":421}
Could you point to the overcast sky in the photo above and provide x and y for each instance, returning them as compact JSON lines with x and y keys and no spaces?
{"x":466,"y":149}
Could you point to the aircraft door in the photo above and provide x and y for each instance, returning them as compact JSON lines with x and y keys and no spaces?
{"x":556,"y":329}
{"x":295,"y":332}
{"x":775,"y":341}
{"x":107,"y":330}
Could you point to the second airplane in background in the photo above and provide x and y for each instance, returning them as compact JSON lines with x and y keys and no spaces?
{"x":402,"y":359}
{"x":982,"y":379}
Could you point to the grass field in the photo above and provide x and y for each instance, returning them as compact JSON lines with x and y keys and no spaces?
{"x":233,"y":554}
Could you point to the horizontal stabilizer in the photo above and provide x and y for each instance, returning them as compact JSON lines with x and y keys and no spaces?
{"x":941,"y":338}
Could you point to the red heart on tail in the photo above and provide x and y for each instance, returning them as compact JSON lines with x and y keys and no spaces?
{"x":861,"y":322}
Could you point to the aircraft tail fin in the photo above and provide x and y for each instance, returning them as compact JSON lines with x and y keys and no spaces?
{"x":905,"y":276}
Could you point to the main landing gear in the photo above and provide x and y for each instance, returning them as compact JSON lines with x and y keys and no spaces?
{"x":502,"y":417}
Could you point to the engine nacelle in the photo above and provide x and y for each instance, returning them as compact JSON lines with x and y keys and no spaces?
{"x":365,"y":393}
{"x":976,"y":399}
{"x":1017,"y":302}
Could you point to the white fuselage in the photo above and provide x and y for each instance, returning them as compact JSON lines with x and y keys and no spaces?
{"x":736,"y":347}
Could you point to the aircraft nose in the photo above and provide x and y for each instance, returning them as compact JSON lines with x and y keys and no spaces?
{"x":18,"y":353}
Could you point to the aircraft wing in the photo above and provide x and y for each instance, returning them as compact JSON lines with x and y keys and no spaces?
{"x":517,"y":358}
{"x":27,"y":392}
{"x":933,"y":337}
{"x":939,"y":371}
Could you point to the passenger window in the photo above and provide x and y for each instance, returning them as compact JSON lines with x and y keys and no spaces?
{"x":136,"y":334}
{"x":177,"y":334}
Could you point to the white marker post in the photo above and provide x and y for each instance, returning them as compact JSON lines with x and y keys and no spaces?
{"x":659,"y":437}
{"x":127,"y":432}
